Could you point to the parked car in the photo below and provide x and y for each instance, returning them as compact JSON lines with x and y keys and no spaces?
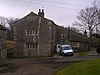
{"x":66,"y":50}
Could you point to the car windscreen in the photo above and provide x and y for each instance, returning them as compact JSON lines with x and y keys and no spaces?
{"x":66,"y":48}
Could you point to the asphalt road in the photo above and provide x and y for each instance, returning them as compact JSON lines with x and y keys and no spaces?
{"x":42,"y":66}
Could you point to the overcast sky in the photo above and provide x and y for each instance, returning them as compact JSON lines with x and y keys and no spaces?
{"x":62,"y":12}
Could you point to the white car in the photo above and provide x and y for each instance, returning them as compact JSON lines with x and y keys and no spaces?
{"x":66,"y":50}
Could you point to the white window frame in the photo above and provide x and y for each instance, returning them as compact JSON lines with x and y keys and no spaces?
{"x":75,"y":44}
{"x":31,"y":46}
{"x":36,"y":32}
{"x":31,"y":32}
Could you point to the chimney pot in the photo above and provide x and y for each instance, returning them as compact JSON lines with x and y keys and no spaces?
{"x":41,"y":13}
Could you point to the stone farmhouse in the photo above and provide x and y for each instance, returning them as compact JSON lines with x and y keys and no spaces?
{"x":35,"y":35}
{"x":3,"y":39}
{"x":67,"y":36}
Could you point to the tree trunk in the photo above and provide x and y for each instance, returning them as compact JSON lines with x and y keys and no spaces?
{"x":90,"y":39}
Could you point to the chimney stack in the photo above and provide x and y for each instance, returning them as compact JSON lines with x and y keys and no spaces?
{"x":41,"y":13}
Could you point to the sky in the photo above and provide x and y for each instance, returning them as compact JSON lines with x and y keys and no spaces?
{"x":62,"y":12}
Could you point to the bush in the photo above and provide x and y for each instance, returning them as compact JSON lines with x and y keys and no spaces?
{"x":10,"y":49}
{"x":10,"y":44}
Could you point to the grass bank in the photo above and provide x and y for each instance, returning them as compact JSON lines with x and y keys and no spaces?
{"x":91,"y":67}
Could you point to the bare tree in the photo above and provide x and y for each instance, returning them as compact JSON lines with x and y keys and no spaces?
{"x":10,"y":21}
{"x":3,"y":20}
{"x":74,"y":29}
{"x":88,"y":19}
{"x":96,"y":3}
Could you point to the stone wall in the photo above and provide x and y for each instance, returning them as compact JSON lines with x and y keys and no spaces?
{"x":3,"y":51}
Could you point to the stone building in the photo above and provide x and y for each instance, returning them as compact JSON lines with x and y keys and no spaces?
{"x":77,"y":40}
{"x":34,"y":35}
{"x":3,"y":39}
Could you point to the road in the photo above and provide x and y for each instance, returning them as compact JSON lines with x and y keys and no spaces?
{"x":41,"y":66}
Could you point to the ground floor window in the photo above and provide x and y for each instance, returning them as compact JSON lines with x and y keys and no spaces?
{"x":29,"y":48}
{"x":31,"y":45}
{"x":75,"y":44}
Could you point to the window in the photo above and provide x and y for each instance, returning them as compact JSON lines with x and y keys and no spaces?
{"x":27,"y":45}
{"x":36,"y":45}
{"x":66,"y":48}
{"x":35,"y":31}
{"x":28,"y":32}
{"x":31,"y":45}
{"x":63,"y":36}
{"x":31,"y":32}
{"x":75,"y":44}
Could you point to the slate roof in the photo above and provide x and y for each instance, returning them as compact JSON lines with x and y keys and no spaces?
{"x":72,"y":35}
{"x":35,"y":19}
{"x":78,"y":37}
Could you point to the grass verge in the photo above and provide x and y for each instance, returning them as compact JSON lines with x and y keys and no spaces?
{"x":83,"y":53}
{"x":91,"y":67}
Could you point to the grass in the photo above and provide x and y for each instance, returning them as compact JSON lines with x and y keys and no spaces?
{"x":91,"y":67}
{"x":83,"y":53}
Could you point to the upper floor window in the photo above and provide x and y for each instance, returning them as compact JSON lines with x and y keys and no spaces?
{"x":31,"y":32}
{"x":35,"y":31}
{"x":63,"y":36}
{"x":28,"y":32}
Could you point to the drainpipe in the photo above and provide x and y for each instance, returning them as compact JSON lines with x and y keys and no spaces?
{"x":69,"y":33}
